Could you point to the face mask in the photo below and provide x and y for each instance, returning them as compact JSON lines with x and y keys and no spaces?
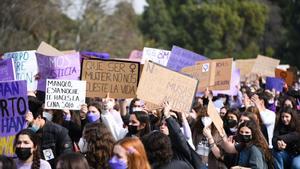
{"x":67,"y":117}
{"x":134,"y":109}
{"x":244,"y":138}
{"x":34,"y":127}
{"x":206,"y":121}
{"x":92,"y":117}
{"x":132,"y":129}
{"x":48,"y":116}
{"x":23,"y":153}
{"x":108,"y":105}
{"x":116,"y":163}
{"x":82,"y":144}
{"x":231,"y":123}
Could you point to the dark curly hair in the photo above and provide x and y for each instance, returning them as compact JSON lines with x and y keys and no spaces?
{"x":161,"y":152}
{"x":100,"y":145}
{"x":72,"y":161}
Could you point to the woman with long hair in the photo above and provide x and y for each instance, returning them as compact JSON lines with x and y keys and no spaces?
{"x":100,"y":144}
{"x":27,"y":150}
{"x":129,"y":153}
{"x":72,"y":161}
{"x":139,"y":124}
{"x":286,"y":138}
{"x":252,"y":148}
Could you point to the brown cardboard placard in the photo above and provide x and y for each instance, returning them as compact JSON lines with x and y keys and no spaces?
{"x":158,"y":84}
{"x":287,"y":76}
{"x":215,"y":117}
{"x":118,"y":78}
{"x":265,"y":66}
{"x":245,"y":66}
{"x":214,"y":74}
{"x":48,"y":50}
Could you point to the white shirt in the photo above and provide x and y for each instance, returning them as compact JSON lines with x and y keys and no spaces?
{"x":268,"y":117}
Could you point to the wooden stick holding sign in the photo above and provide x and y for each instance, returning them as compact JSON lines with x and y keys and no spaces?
{"x":215,"y":117}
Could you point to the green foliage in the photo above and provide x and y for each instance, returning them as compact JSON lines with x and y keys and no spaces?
{"x":213,"y":28}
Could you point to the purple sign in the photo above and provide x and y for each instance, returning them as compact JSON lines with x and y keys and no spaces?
{"x":13,"y":107}
{"x":181,"y":58}
{"x":136,"y":55}
{"x":7,"y":70}
{"x":99,"y":55}
{"x":235,"y":81}
{"x":65,"y":67}
{"x":274,"y":83}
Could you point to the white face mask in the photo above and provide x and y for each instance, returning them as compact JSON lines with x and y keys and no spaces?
{"x":82,"y":144}
{"x":48,"y":116}
{"x":206,"y":121}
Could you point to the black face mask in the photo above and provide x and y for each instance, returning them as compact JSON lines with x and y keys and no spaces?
{"x":132,"y":129}
{"x":244,"y":138}
{"x":23,"y":153}
{"x":231,"y":123}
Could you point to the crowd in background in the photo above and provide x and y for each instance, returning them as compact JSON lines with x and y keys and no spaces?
{"x":262,"y":131}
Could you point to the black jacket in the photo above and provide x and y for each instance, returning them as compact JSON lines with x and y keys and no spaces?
{"x":55,"y":138}
{"x":174,"y":164}
{"x":289,"y":136}
{"x":182,"y":150}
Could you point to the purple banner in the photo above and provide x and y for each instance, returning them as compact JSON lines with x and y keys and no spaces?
{"x":235,"y":81}
{"x":65,"y":67}
{"x":274,"y":83}
{"x":99,"y":55}
{"x":181,"y":58}
{"x":13,"y":107}
{"x":7,"y":70}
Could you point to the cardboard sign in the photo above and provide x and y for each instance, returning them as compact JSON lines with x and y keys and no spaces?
{"x":118,"y":78}
{"x":13,"y":107}
{"x":265,"y":66}
{"x":25,"y":67}
{"x":136,"y":55}
{"x":7,"y":70}
{"x":274,"y":83}
{"x":181,"y":58}
{"x":214,"y":74}
{"x":65,"y":94}
{"x":156,"y":55}
{"x":158,"y":84}
{"x":245,"y":66}
{"x":234,"y":82}
{"x":287,"y":76}
{"x":215,"y":117}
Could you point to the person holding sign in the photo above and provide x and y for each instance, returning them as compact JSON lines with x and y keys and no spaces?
{"x":27,"y":151}
{"x":54,"y":138}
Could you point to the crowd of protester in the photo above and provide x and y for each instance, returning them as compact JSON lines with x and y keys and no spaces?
{"x":262,"y":131}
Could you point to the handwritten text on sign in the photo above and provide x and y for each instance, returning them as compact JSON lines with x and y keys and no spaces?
{"x":25,"y":66}
{"x":118,"y":78}
{"x":65,"y":94}
{"x":156,"y":55}
{"x":13,"y":107}
{"x":160,"y":84}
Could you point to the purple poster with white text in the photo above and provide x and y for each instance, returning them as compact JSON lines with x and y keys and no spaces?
{"x":7,"y":70}
{"x":181,"y":58}
{"x":13,"y":107}
{"x":65,"y":67}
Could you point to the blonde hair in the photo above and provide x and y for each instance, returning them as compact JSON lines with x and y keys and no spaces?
{"x":136,"y":154}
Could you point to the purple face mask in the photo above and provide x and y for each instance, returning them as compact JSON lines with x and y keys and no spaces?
{"x":116,"y":163}
{"x":92,"y":117}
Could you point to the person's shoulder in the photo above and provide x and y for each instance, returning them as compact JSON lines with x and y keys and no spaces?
{"x":255,"y":149}
{"x":45,"y":164}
